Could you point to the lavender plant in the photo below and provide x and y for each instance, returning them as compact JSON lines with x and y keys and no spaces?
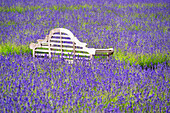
{"x":43,"y":85}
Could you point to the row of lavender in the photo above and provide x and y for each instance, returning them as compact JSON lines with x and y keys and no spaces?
{"x":138,"y":29}
{"x":76,"y":2}
{"x":47,"y":85}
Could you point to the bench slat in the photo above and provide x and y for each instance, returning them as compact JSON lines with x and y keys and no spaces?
{"x":58,"y":35}
{"x":64,"y":56}
{"x":60,"y":48}
{"x":67,"y":40}
{"x":44,"y":46}
{"x":83,"y":54}
{"x":101,"y":55}
{"x":41,"y":54}
{"x":41,"y":50}
{"x":67,"y":48}
{"x":64,"y":44}
{"x":53,"y":47}
{"x":69,"y":53}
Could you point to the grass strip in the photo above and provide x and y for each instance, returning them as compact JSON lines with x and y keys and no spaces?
{"x":6,"y":48}
{"x":142,"y":59}
{"x":61,"y":7}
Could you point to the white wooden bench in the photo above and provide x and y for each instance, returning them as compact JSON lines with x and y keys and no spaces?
{"x":62,"y":43}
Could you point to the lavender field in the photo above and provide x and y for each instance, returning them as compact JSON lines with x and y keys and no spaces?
{"x":136,"y":79}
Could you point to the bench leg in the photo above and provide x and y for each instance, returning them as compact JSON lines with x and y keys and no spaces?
{"x":91,"y":57}
{"x":33,"y":52}
{"x":49,"y":49}
{"x":108,"y":57}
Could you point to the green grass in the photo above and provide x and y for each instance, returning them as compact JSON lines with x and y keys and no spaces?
{"x":6,"y":48}
{"x":132,"y":58}
{"x":21,"y":9}
{"x":142,"y":59}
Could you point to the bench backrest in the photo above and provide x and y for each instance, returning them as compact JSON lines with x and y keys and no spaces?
{"x":61,"y":42}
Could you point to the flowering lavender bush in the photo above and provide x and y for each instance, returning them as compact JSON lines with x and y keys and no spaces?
{"x":137,"y":30}
{"x":49,"y":85}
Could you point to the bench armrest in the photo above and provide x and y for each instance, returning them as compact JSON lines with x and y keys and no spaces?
{"x":92,"y":51}
{"x":33,"y":45}
{"x":43,"y":40}
{"x":110,"y":50}
{"x":78,"y":42}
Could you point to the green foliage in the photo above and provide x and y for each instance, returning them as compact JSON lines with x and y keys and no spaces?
{"x":141,"y":59}
{"x":6,"y":48}
{"x":19,"y":9}
{"x":59,"y":7}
